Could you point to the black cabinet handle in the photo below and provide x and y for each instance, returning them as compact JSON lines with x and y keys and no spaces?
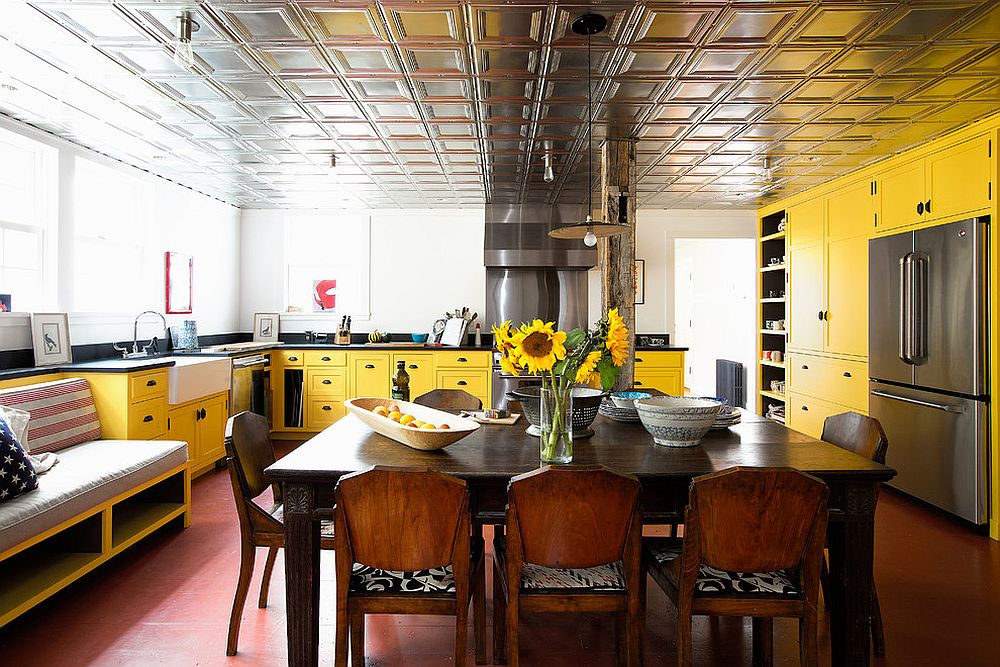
{"x":414,"y":366}
{"x":327,"y":381}
{"x":826,"y":315}
{"x":927,"y":206}
{"x":805,"y":408}
{"x":462,"y":360}
{"x":204,"y":413}
{"x":325,"y":359}
{"x":293,"y":358}
{"x":804,"y":367}
{"x":327,"y":407}
{"x":151,"y":383}
{"x":847,"y":374}
{"x":638,"y":360}
{"x":147,"y":419}
{"x":636,"y":383}
{"x":820,"y":315}
{"x":369,"y":365}
{"x":461,"y":383}
{"x":920,"y":208}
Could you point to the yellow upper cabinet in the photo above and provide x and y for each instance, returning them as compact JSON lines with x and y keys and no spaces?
{"x":806,"y":283}
{"x":805,"y":223}
{"x":946,"y":184}
{"x":850,"y":211}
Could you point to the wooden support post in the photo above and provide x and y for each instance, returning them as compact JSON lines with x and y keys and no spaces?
{"x":617,"y":253}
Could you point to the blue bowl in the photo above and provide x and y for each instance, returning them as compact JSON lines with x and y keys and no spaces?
{"x":418,"y":338}
{"x":626,"y":399}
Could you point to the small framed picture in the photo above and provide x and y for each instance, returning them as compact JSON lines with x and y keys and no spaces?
{"x":265,"y":327}
{"x":50,"y":338}
{"x":639,"y":281}
{"x":180,"y":282}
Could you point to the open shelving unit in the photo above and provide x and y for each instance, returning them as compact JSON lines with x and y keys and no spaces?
{"x":772,"y":291}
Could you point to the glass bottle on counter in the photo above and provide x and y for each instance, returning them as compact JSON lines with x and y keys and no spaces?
{"x":401,"y":382}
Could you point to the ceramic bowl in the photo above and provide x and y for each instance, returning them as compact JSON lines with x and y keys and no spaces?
{"x":677,"y":421}
{"x":627,"y":399}
{"x":418,"y":338}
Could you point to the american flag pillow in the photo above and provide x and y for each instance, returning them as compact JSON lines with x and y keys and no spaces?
{"x":17,"y":475}
{"x":62,"y":413}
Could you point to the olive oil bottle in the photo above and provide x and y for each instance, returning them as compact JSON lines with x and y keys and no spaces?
{"x":401,"y":382}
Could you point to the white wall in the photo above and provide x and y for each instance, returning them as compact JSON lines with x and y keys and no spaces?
{"x":423,"y":262}
{"x":183,"y":221}
{"x":656,"y":230}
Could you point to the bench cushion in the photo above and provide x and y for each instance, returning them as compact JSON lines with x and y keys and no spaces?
{"x":62,"y":413}
{"x":88,"y":474}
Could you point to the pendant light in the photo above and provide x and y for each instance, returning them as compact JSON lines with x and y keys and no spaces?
{"x":186,"y":27}
{"x":590,"y":229}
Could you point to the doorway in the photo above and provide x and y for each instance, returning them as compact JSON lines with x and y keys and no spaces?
{"x":714,"y":314}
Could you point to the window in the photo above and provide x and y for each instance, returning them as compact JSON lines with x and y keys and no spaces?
{"x":328,"y":254}
{"x":112,"y":268}
{"x":27,"y":188}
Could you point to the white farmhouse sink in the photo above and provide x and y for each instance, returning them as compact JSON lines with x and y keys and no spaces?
{"x":192,"y":378}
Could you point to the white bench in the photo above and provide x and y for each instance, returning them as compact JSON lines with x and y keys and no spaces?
{"x":102,"y":496}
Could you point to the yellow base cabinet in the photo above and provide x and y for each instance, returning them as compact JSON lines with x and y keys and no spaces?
{"x":326,"y":391}
{"x":202,"y":425}
{"x":806,"y":414}
{"x":662,"y":370}
{"x":469,"y":370}
{"x":131,"y":406}
{"x":370,"y":375}
{"x":420,"y":367}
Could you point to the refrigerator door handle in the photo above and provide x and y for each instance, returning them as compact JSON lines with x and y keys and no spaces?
{"x":918,"y":308}
{"x":904,"y":306}
{"x":955,"y":409}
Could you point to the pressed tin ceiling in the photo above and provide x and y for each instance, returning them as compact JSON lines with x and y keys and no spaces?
{"x":430,"y":103}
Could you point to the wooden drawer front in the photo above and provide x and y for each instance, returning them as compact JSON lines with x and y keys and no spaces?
{"x":474,"y":382}
{"x":292,"y":357}
{"x":321,"y":414}
{"x":806,"y":414}
{"x":650,"y":360}
{"x":843,"y":382}
{"x":147,"y":419}
{"x":669,"y":382}
{"x":460,"y":359}
{"x":326,"y":358}
{"x":147,"y":385}
{"x":327,"y":382}
{"x":371,"y":376}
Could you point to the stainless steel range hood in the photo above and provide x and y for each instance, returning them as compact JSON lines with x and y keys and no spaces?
{"x":530,"y":274}
{"x":517,"y":236}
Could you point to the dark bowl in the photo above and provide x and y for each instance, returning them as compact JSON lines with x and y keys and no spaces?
{"x":586,"y":402}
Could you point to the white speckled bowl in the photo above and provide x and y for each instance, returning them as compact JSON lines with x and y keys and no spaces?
{"x":677,"y":421}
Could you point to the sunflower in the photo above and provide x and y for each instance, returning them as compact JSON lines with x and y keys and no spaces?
{"x":505,"y":337}
{"x":617,"y":338}
{"x":585,"y":373}
{"x":509,"y":364}
{"x":538,"y":346}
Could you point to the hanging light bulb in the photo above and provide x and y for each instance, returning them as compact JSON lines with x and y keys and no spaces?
{"x":589,"y":230}
{"x":183,"y":53}
{"x":333,"y":162}
{"x":549,"y":174}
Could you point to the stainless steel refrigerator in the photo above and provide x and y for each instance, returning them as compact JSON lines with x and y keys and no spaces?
{"x":928,"y":360}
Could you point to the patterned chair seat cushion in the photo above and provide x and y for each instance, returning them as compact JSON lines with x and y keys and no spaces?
{"x":609,"y":577}
{"x":325,"y":525}
{"x":367,"y":579}
{"x":712,"y":581}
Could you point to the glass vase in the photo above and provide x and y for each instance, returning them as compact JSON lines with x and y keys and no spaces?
{"x":556,"y":442}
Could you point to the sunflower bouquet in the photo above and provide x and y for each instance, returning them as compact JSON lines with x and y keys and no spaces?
{"x":562,"y":360}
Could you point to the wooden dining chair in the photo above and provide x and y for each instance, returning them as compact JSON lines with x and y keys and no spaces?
{"x":865,"y":437}
{"x":248,"y":452}
{"x":573,"y":543}
{"x":449,"y":399}
{"x":403,"y":547}
{"x":753,"y":545}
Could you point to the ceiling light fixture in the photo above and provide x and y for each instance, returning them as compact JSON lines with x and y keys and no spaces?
{"x":549,"y":175}
{"x":183,"y":53}
{"x":590,"y":229}
{"x":333,"y":162}
{"x":767,"y":173}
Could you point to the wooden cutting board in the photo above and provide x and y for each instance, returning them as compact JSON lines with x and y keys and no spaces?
{"x":397,"y":344}
{"x":508,"y":420}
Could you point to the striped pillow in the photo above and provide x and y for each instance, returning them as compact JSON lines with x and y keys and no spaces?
{"x":62,"y":413}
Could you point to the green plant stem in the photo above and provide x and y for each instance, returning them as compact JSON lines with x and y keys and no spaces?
{"x":559,"y":389}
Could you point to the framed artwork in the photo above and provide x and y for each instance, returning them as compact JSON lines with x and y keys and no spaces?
{"x":265,"y":327}
{"x":180,"y":282}
{"x":324,"y":294}
{"x":639,"y":281}
{"x":5,"y":306}
{"x":50,"y":338}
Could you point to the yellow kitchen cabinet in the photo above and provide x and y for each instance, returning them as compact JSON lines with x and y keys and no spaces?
{"x":850,"y":211}
{"x":946,"y":184}
{"x":838,"y":381}
{"x":370,"y":375}
{"x":202,"y":425}
{"x":469,"y":370}
{"x":846,"y":313}
{"x":806,"y":298}
{"x":420,"y":367}
{"x":805,"y":223}
{"x":131,"y":406}
{"x":806,"y":414}
{"x":326,"y":391}
{"x":662,"y":370}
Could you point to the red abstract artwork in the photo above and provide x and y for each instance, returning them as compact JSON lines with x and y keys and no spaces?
{"x":325,"y":294}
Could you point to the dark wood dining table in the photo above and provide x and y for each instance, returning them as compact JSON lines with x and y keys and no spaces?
{"x":488,"y":458}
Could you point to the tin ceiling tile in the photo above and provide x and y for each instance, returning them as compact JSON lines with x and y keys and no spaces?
{"x":794,"y":62}
{"x":436,"y":61}
{"x":431,"y":25}
{"x":347,"y":24}
{"x":679,"y":26}
{"x":264,"y":25}
{"x":839,"y":24}
{"x":918,"y":23}
{"x":745,"y":25}
{"x":508,"y":25}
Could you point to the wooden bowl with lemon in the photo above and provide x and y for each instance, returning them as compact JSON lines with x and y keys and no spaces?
{"x":416,"y":426}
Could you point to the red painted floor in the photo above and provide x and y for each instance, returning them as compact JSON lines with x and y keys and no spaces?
{"x":167,"y":601}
